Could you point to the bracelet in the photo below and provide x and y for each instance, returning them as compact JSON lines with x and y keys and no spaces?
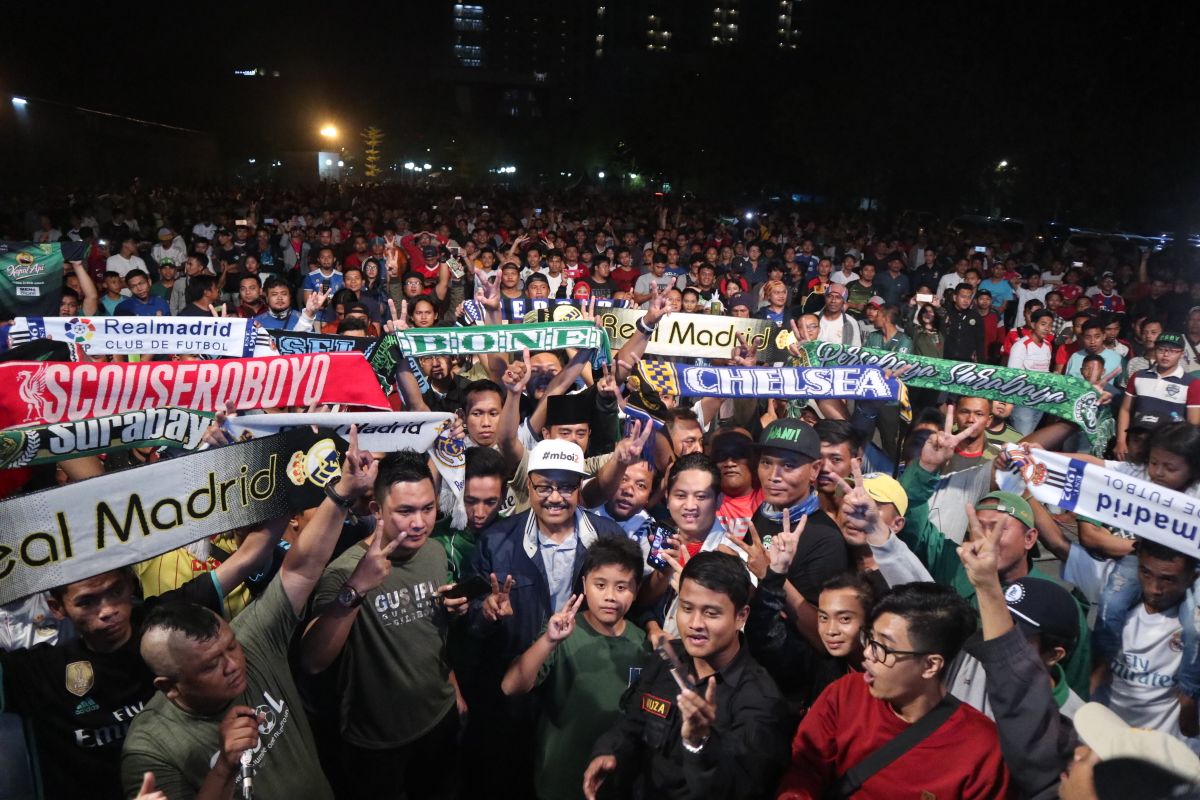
{"x":644,"y":328}
{"x":697,"y":748}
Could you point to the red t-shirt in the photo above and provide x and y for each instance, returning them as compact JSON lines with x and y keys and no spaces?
{"x":960,"y":759}
{"x":624,"y":279}
{"x":735,"y":512}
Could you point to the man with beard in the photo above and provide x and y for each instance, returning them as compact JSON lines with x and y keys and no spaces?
{"x":717,"y":727}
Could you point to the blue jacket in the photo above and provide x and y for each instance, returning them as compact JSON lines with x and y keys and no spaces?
{"x":506,"y":549}
{"x":155,"y":306}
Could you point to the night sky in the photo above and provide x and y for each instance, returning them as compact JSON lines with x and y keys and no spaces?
{"x":1094,"y":105}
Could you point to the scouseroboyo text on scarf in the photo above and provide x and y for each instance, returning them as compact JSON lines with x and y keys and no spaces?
{"x":48,"y":392}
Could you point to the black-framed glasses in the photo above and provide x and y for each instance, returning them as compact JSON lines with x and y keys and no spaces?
{"x":877,"y":651}
{"x":544,"y":490}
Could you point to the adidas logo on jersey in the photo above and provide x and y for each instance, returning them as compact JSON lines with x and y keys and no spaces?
{"x":86,"y":706}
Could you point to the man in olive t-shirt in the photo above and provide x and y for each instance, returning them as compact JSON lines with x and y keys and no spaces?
{"x":179,"y":747}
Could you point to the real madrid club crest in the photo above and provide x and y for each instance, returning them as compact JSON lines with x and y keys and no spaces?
{"x":80,"y":677}
{"x":447,"y":450}
{"x":318,"y":466}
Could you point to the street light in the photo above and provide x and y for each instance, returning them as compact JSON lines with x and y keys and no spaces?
{"x":426,"y":166}
{"x":600,"y":174}
{"x":1003,"y":163}
{"x":329,"y":130}
{"x":409,"y":165}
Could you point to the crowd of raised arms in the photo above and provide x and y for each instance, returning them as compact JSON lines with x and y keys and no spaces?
{"x":634,"y":590}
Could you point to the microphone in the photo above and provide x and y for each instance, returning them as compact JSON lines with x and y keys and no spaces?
{"x":246,"y":773}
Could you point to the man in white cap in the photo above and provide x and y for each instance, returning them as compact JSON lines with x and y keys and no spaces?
{"x":1105,"y":737}
{"x":169,"y":249}
{"x":533,"y":560}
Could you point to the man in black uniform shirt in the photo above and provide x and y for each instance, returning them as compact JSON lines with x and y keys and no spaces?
{"x":789,"y":461}
{"x":726,"y":738}
{"x":79,"y":698}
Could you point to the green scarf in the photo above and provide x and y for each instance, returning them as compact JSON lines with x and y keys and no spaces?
{"x":417,"y":342}
{"x":1068,"y":398}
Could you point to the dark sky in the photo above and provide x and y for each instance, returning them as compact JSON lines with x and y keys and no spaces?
{"x":1092,"y":103}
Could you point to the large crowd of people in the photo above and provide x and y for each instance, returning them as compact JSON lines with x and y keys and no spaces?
{"x":637,"y":592}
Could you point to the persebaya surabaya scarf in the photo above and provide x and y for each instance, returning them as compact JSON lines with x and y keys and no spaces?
{"x":1061,"y":396}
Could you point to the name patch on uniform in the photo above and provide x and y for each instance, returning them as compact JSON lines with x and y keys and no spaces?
{"x":655,"y":705}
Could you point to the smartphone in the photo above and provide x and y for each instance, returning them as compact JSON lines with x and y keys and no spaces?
{"x":241,"y":223}
{"x":458,"y":197}
{"x":678,"y":671}
{"x":980,"y":249}
{"x":269,"y":221}
{"x":537,"y":211}
{"x":102,"y":242}
{"x":658,"y":534}
{"x":470,"y":588}
{"x":1077,"y":264}
{"x":924,"y":298}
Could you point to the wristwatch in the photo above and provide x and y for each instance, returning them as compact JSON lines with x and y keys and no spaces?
{"x":697,"y":748}
{"x":348,"y":596}
{"x":341,"y":500}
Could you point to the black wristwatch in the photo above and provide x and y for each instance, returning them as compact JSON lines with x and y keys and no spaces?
{"x":343,"y":501}
{"x":348,"y":596}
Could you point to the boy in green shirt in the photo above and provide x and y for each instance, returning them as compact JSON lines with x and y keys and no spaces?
{"x":582,"y":669}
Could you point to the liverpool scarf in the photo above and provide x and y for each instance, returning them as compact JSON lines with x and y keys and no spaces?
{"x":1058,"y":395}
{"x":218,"y":337}
{"x":1109,"y":497}
{"x":48,"y":392}
{"x":66,"y":534}
{"x":851,"y":383}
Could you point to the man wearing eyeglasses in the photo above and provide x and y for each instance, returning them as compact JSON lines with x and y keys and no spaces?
{"x":951,"y":750}
{"x":533,"y":561}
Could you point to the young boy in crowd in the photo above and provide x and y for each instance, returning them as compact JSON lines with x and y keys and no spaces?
{"x":582,"y":667}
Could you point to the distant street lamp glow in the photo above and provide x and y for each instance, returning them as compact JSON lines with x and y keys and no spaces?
{"x":600,"y":174}
{"x":409,"y":165}
{"x":426,"y":166}
{"x":20,"y":102}
{"x":1002,"y":164}
{"x":329,"y":131}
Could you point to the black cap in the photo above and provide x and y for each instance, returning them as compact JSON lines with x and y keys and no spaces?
{"x":569,"y":409}
{"x":793,"y":435}
{"x":730,"y":443}
{"x":429,"y":252}
{"x":1042,"y":606}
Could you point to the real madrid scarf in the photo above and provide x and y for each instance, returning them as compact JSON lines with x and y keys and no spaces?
{"x":1109,"y":497}
{"x":851,"y":383}
{"x":48,"y":392}
{"x":1071,"y":399}
{"x":379,"y":432}
{"x":218,"y":337}
{"x":66,"y":534}
{"x":152,"y":427}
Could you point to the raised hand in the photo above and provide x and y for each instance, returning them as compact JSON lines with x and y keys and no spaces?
{"x":148,"y":792}
{"x":562,"y":624}
{"x":784,"y":544}
{"x":516,"y":376}
{"x":939,"y":447}
{"x":980,"y":552}
{"x":316,"y":301}
{"x":757,"y":560}
{"x":1105,"y":396}
{"x":657,"y":307}
{"x":216,"y":435}
{"x":487,"y":291}
{"x":498,"y":604}
{"x":587,"y":310}
{"x":860,"y":512}
{"x":631,"y":447}
{"x":376,"y":564}
{"x":745,"y":352}
{"x":358,"y":470}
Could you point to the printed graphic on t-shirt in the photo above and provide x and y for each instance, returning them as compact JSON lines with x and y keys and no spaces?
{"x":405,"y":605}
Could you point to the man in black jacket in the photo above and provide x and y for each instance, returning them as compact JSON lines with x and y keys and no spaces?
{"x":716,"y":725}
{"x":962,"y":327}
